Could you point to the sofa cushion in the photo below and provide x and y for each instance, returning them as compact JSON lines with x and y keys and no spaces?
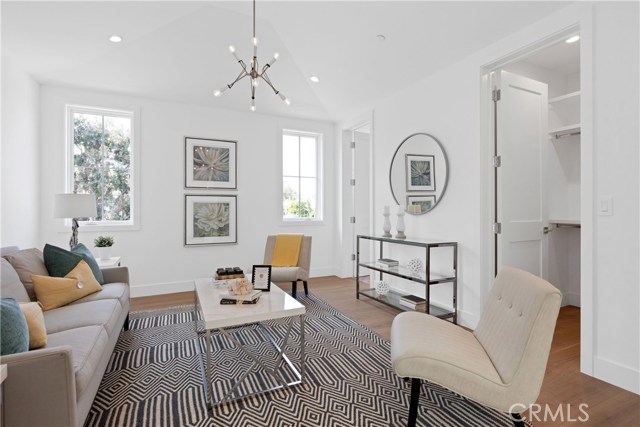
{"x":11,"y":286}
{"x":116,"y":291}
{"x":285,"y":274}
{"x":27,"y":262}
{"x":88,"y":345}
{"x":86,"y":255}
{"x":35,"y":321}
{"x":104,"y":312}
{"x":54,"y":292}
{"x":14,"y":333}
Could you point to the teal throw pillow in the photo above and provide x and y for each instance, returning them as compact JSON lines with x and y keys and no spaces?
{"x":86,"y":255}
{"x":60,"y":262}
{"x":14,"y":332}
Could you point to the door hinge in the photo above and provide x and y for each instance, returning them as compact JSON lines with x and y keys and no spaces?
{"x":353,"y":257}
{"x":352,"y":181}
{"x":352,"y":220}
{"x":495,"y":95}
{"x":496,"y":228}
{"x":352,"y":144}
{"x":497,"y":161}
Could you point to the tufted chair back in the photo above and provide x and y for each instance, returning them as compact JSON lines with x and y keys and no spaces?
{"x":517,"y":325}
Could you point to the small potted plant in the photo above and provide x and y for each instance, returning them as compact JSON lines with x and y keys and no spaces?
{"x":104,"y":243}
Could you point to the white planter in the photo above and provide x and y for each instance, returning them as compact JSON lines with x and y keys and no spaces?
{"x":105,"y":252}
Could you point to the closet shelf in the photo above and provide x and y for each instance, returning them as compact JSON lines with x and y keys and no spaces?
{"x":565,"y":131}
{"x":575,"y":223}
{"x":566,"y":97}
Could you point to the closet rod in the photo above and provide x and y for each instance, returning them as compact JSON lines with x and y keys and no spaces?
{"x":565,"y":135}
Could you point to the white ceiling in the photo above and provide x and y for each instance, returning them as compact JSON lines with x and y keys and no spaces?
{"x":178,"y":51}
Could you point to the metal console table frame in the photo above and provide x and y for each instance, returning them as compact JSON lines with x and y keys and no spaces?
{"x":428,"y":279}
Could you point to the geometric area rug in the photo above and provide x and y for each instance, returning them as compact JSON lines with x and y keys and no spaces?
{"x":154,"y":378}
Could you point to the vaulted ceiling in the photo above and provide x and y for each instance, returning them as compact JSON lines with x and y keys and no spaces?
{"x":178,"y":51}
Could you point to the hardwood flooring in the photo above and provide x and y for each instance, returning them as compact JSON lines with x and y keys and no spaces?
{"x":608,"y":405}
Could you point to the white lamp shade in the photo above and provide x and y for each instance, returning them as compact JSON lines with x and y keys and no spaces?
{"x":74,"y":205}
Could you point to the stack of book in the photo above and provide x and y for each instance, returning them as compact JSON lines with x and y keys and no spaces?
{"x":413,"y":301}
{"x":250,"y":298}
{"x":229,"y":273}
{"x":387,"y":263}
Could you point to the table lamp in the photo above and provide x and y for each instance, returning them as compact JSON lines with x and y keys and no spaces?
{"x":74,"y":206}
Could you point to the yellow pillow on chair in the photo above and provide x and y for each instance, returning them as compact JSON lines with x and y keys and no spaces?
{"x":54,"y":292}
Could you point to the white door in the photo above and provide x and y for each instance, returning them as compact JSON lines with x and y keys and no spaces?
{"x":361,"y":191}
{"x":522,"y":139}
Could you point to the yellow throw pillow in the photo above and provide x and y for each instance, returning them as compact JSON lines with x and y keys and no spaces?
{"x":54,"y":292}
{"x":35,"y":321}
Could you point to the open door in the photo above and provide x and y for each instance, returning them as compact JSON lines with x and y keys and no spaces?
{"x":521,"y":144}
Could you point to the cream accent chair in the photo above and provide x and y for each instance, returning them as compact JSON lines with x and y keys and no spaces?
{"x":291,"y":274}
{"x":501,"y":364}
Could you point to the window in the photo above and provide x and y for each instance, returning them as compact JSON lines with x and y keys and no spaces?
{"x":301,"y":178}
{"x":100,"y":146}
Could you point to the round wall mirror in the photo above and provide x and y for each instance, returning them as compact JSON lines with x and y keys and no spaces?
{"x":418,"y":174}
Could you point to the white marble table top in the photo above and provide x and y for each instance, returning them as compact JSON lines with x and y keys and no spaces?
{"x":275,"y":304}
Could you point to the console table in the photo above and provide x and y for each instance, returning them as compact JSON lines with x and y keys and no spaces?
{"x":427,"y":278}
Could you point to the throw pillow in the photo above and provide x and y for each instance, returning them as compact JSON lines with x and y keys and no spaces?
{"x":11,"y":286}
{"x":35,"y":322}
{"x":14,"y":333}
{"x":27,"y":262}
{"x":86,"y":255}
{"x":54,"y":292}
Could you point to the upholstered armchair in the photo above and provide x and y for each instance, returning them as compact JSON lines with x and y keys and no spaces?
{"x":291,"y":274}
{"x":501,"y":364}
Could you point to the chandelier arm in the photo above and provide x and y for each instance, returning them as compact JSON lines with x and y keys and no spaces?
{"x":265,"y":77}
{"x":241,"y":76}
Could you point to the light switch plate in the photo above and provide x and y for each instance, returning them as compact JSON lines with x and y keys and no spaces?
{"x":605,"y":206}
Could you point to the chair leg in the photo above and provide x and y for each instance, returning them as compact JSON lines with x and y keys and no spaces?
{"x":517,"y":420}
{"x":126,"y":323}
{"x":413,"y":405}
{"x":294,"y":286}
{"x":306,"y":288}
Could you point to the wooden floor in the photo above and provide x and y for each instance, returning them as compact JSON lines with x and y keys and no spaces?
{"x":608,"y":406}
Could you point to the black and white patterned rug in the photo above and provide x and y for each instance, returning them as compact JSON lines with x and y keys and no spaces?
{"x":154,"y":378}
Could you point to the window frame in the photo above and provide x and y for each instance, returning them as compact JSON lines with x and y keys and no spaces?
{"x":319,"y":218}
{"x":133,"y":223}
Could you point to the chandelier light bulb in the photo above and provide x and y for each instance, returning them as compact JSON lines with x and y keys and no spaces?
{"x":254,"y":82}
{"x":232,"y":49}
{"x":284,"y":98}
{"x":274,"y":59}
{"x":220,"y":91}
{"x":253,"y":105}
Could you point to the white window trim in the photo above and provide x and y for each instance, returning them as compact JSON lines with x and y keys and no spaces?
{"x":319,"y":178}
{"x":134,"y":222}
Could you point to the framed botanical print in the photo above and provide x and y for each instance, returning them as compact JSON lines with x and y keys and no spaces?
{"x":210,"y":163}
{"x":420,"y":204}
{"x":420,"y":171}
{"x":261,"y":277}
{"x":210,"y":219}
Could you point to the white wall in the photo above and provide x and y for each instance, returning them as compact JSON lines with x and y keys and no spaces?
{"x":20,"y":157}
{"x":157,"y":259}
{"x":448,"y":105}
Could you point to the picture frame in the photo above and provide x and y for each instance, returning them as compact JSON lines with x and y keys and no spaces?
{"x":210,"y":219}
{"x":210,"y":163}
{"x":420,"y":171}
{"x":261,"y":277}
{"x":424,"y":202}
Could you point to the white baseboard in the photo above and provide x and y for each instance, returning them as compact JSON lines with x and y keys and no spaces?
{"x":323,"y":271}
{"x":571,"y":298}
{"x":619,"y":375}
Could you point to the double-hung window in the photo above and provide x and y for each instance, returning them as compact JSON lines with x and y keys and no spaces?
{"x":100,"y":146}
{"x":301,"y":176}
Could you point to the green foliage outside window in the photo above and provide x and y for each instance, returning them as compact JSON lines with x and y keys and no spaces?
{"x":302,"y":209}
{"x":102,"y":163}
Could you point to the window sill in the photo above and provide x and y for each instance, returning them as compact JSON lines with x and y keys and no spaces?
{"x":102,"y":227}
{"x":302,"y":222}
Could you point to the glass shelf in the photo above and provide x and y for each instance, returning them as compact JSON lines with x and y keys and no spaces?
{"x":393,"y":299}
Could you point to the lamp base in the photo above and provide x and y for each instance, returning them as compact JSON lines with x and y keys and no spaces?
{"x":73,"y":242}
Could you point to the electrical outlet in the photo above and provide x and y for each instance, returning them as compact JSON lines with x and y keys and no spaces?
{"x":605,"y":206}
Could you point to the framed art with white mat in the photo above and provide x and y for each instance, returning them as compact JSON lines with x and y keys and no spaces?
{"x":261,"y":277}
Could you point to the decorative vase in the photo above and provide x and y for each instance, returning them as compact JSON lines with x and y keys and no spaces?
{"x":400,"y":226}
{"x":415,"y":266}
{"x":386,"y":226}
{"x":105,"y":252}
{"x":382,"y":287}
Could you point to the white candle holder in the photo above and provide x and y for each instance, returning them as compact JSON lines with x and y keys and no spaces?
{"x":400,"y":227}
{"x":386,"y":226}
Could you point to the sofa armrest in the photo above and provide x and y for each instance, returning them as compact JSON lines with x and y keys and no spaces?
{"x":40,"y":389}
{"x":116,"y":274}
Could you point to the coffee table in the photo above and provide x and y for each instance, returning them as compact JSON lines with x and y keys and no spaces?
{"x":275,"y":304}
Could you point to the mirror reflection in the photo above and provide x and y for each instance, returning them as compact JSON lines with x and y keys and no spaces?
{"x":418,"y":174}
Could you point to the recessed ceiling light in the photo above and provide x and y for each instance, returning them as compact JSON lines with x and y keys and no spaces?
{"x":381,"y":37}
{"x":573,"y":39}
{"x":314,"y":79}
{"x":115,"y":39}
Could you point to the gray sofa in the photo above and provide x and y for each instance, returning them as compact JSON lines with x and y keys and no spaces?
{"x":55,"y":385}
